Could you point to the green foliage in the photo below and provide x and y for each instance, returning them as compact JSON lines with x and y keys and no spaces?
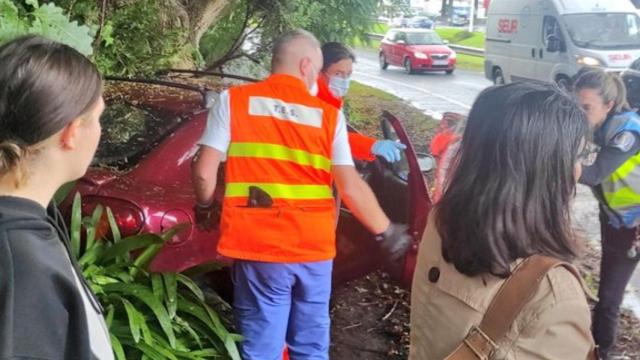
{"x":160,"y":316}
{"x":47,"y":20}
{"x":135,"y":42}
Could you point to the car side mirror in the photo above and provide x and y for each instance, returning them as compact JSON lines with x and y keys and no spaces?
{"x":553,"y":44}
{"x":426,"y":162}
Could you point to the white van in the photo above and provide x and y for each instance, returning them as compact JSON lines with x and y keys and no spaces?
{"x":551,"y":39}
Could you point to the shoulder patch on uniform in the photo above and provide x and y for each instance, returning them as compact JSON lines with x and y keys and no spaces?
{"x":624,"y":141}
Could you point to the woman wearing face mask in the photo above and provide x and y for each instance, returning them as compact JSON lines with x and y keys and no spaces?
{"x":333,"y":84}
{"x":50,"y":106}
{"x":614,"y":178}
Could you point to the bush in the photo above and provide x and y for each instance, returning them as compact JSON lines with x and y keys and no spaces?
{"x":149,"y":315}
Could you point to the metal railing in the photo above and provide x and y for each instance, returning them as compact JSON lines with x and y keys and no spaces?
{"x":467,"y":50}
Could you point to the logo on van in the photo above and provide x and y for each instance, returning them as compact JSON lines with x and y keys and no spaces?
{"x":507,"y":26}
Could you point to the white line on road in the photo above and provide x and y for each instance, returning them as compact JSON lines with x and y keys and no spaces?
{"x":455,"y":102}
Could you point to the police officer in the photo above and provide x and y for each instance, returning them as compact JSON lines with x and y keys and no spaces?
{"x":615,"y":180}
{"x":284,"y":149}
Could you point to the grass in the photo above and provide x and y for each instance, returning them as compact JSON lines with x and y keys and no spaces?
{"x":462,"y":37}
{"x":470,"y":62}
{"x":364,"y":105}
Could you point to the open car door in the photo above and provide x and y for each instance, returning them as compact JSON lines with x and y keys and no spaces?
{"x":402,"y":192}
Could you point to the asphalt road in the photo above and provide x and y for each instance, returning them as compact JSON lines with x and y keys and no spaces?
{"x":436,"y":93}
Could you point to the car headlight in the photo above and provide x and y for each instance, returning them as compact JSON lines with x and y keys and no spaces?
{"x":588,"y":61}
{"x":420,"y":55}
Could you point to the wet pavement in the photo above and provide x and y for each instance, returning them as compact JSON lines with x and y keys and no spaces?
{"x":436,"y":93}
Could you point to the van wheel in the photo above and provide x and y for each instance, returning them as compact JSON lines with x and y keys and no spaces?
{"x":383,"y":62}
{"x":564,"y":83}
{"x":498,"y":77}
{"x":408,"y":67}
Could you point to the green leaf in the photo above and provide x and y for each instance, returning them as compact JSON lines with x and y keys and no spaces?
{"x":104,"y":280}
{"x":76,"y":225}
{"x":65,"y":189}
{"x":122,"y":248}
{"x":117,"y":348}
{"x":91,"y":229}
{"x":157,"y":286}
{"x":11,"y":23}
{"x":155,"y":352}
{"x":92,"y":255}
{"x":171,"y":290}
{"x":134,"y":318}
{"x":144,"y":259}
{"x":232,"y":348}
{"x":114,"y":226}
{"x":51,"y":22}
{"x":146,"y":296}
{"x":184,"y":325}
{"x":109,"y":318}
{"x":195,"y":289}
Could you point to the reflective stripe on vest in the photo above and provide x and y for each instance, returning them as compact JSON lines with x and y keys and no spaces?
{"x":279,"y":152}
{"x":281,"y":142}
{"x":621,"y":190}
{"x":281,"y":191}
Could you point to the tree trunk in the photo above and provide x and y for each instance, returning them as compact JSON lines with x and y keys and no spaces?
{"x":202,"y":15}
{"x":443,"y":11}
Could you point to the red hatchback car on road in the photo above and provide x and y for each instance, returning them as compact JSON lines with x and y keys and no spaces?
{"x":416,"y":50}
{"x":142,"y":172}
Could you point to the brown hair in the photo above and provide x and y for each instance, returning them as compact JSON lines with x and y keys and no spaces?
{"x":609,"y":85}
{"x":513,"y":180}
{"x":333,"y":52}
{"x":45,"y":85}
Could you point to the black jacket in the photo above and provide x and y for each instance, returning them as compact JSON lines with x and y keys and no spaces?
{"x":42,"y":315}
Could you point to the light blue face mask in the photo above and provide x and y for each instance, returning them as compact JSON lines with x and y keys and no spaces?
{"x":339,"y":86}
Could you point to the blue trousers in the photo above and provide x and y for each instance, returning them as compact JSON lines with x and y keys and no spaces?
{"x":278,"y":303}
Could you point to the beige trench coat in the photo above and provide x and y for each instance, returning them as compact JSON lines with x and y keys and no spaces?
{"x":445,"y":304}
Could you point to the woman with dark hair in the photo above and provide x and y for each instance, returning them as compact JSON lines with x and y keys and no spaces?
{"x":333,"y":84}
{"x":508,"y":198}
{"x":50,"y":106}
{"x":614,"y":179}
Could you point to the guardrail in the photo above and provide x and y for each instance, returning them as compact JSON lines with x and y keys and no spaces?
{"x":467,"y":50}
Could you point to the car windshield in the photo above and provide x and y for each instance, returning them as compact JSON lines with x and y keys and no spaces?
{"x":128,"y":133}
{"x":423,"y":38}
{"x":605,"y":31}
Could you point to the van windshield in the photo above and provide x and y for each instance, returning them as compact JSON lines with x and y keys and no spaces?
{"x":423,"y":38}
{"x":605,"y":31}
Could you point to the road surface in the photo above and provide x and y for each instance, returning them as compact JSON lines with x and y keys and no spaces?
{"x":436,"y":93}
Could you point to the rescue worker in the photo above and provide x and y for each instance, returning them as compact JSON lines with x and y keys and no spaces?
{"x":284,"y":149}
{"x":333,"y":84}
{"x":613,"y":177}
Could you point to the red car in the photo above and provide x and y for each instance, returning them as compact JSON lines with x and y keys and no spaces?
{"x":142,"y":172}
{"x":416,"y":50}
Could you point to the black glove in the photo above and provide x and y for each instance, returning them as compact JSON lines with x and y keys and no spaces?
{"x":394,"y":242}
{"x":206,"y":216}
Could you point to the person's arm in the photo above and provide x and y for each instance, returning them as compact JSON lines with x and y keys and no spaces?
{"x":362,"y":202}
{"x":204,"y":168}
{"x":610,"y":158}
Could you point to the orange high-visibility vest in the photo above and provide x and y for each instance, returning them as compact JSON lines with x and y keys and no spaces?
{"x":281,"y":142}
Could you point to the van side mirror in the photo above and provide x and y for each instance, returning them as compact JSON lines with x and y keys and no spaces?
{"x":554,"y":44}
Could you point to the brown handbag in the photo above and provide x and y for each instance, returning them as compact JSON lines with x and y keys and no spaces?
{"x":514,"y":294}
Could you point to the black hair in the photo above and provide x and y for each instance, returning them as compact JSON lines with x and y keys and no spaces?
{"x":45,"y":85}
{"x":513,"y":180}
{"x":333,"y":52}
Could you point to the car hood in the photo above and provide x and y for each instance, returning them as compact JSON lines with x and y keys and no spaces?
{"x":431,"y":49}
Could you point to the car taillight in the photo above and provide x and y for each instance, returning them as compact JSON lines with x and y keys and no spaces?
{"x":127,"y":216}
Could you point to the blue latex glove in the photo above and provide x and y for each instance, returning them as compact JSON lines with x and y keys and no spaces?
{"x":390,"y":150}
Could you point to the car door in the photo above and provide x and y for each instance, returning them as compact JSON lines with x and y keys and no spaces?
{"x":387,"y":44}
{"x":401,"y":190}
{"x":400,"y":48}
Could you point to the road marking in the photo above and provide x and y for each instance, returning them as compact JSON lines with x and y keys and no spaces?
{"x":447,"y":99}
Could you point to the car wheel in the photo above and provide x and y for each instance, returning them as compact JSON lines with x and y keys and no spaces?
{"x":408,"y":66}
{"x":383,"y":62}
{"x":564,"y":83}
{"x":449,"y":72}
{"x":498,"y":77}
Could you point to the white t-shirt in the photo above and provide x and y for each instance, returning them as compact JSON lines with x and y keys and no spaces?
{"x":217,"y":133}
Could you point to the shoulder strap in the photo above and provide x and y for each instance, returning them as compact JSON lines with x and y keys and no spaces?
{"x":514,"y":294}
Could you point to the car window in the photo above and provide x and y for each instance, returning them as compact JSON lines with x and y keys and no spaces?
{"x":399,"y":168}
{"x":401,"y":36}
{"x":423,"y":38}
{"x":550,"y":29}
{"x":130,"y":132}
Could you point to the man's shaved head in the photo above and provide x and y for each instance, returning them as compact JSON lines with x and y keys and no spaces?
{"x":297,"y":53}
